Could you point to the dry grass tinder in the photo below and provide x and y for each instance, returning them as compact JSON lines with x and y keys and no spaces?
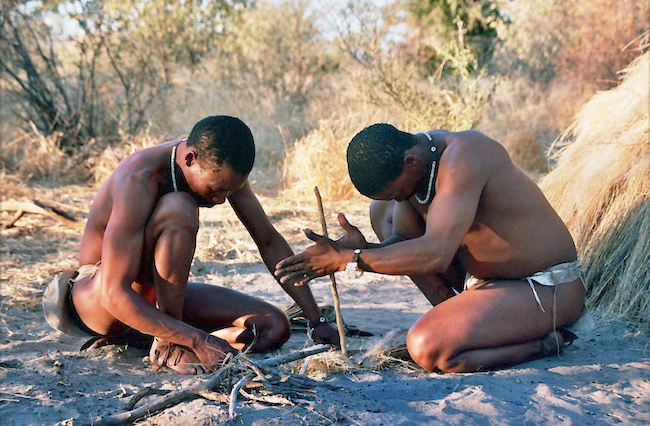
{"x":601,"y":187}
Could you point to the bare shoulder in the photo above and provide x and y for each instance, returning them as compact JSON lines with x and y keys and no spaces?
{"x":132,"y":185}
{"x":474,"y":149}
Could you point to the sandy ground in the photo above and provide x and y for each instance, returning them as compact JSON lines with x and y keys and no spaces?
{"x":603,"y":378}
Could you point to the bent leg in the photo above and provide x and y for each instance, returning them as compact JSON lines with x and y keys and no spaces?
{"x":170,"y":241}
{"x":497,"y":324}
{"x":388,"y":218}
{"x":240,"y":319}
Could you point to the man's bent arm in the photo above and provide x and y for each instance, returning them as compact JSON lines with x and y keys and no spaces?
{"x":449,"y":219}
{"x":272,"y":246}
{"x":121,"y":253}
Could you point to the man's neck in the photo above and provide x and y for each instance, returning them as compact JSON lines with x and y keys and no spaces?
{"x":430,"y":156}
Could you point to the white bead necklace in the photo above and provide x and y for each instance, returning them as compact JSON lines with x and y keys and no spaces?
{"x":173,"y":164}
{"x":433,"y":172}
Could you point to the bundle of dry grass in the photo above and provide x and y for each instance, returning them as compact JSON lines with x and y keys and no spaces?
{"x":318,"y":159}
{"x":387,"y":352}
{"x":33,"y":155}
{"x":601,"y":189}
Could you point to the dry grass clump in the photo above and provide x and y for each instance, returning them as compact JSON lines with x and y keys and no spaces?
{"x":526,"y":117}
{"x":35,"y":156}
{"x":319,"y":159}
{"x":601,"y":189}
{"x":382,"y":353}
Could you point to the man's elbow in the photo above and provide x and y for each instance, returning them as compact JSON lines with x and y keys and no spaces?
{"x":271,"y":242}
{"x":436,"y":264}
{"x":109,"y":299}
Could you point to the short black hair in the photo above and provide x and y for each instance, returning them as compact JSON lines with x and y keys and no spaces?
{"x":222,"y":139}
{"x":376,"y":157}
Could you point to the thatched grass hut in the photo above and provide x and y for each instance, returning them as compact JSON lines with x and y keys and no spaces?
{"x":601,"y":188}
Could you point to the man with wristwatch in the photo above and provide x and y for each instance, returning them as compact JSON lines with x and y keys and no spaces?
{"x":473,"y":232}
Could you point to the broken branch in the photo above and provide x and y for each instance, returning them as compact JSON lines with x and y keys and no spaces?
{"x":36,"y":207}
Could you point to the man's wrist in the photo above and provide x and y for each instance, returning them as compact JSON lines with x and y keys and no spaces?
{"x":347,"y":256}
{"x":352,"y":268}
{"x":197,"y":338}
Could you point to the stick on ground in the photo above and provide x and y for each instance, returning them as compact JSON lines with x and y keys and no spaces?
{"x":36,"y":207}
{"x":202,"y":388}
{"x":335,"y":293}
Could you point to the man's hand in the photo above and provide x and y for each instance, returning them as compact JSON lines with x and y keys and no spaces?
{"x":323,"y":258}
{"x":325,"y":333}
{"x":353,"y":238}
{"x":212,"y":350}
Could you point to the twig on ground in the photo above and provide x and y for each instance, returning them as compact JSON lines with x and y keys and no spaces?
{"x":36,"y":207}
{"x":248,"y":363}
{"x":233,"y":395}
{"x":335,"y":293}
{"x":268,"y":399}
{"x":304,"y":366}
{"x":203,"y":388}
{"x":143,"y":393}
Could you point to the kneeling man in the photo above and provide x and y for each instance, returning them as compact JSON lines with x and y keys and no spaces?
{"x":139,"y":243}
{"x":457,"y":216}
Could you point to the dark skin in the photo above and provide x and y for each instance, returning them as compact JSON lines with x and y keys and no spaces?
{"x":487,"y":218}
{"x":144,"y":234}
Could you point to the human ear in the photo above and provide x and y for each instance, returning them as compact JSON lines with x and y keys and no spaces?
{"x":190,"y":158}
{"x":410,"y":160}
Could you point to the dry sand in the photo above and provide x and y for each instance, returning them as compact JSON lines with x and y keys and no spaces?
{"x":603,"y":378}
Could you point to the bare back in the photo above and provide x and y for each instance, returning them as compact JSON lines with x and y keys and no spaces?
{"x":515,"y":232}
{"x":151,"y":165}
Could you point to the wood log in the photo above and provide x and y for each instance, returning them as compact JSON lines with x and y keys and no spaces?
{"x":37,"y":207}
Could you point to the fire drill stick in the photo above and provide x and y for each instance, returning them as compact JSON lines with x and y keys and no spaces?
{"x":335,"y":293}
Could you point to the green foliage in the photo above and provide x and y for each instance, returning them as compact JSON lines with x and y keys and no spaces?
{"x":178,"y":32}
{"x":391,"y":74}
{"x":106,"y":77}
{"x":470,"y":25}
{"x":276,"y":50}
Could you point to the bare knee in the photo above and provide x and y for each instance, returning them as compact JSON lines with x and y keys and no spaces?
{"x":381,"y":218}
{"x":176,"y":212}
{"x":428,"y":350}
{"x":421,"y":348}
{"x":272,"y":330}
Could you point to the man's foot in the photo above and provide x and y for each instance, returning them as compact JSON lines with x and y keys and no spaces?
{"x":554,"y":342}
{"x":177,"y":357}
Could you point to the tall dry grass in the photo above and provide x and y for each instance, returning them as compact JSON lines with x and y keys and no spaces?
{"x":35,"y":157}
{"x":601,"y":189}
{"x":32,"y":155}
{"x":319,"y":159}
{"x":526,"y":117}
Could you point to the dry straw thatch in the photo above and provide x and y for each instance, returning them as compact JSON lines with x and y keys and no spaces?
{"x":387,"y":352}
{"x":600,"y":187}
{"x":318,"y":159}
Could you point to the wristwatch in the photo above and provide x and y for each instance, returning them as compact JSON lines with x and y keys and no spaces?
{"x":352,"y":269}
{"x":313,"y":324}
